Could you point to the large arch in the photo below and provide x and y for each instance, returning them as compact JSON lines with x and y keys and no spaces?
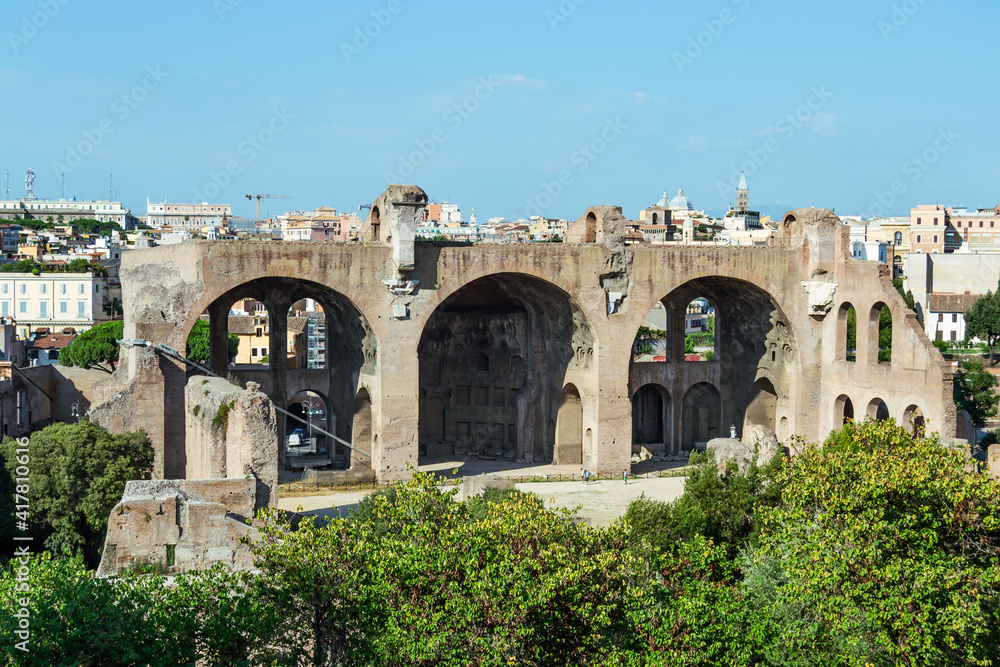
{"x":494,"y":357}
{"x":755,"y":367}
{"x":350,"y":348}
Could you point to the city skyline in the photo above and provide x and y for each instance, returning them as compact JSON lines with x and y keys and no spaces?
{"x":513,"y":110}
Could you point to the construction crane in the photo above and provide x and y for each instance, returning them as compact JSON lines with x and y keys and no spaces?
{"x":259,"y":197}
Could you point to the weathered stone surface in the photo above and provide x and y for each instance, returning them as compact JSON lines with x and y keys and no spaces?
{"x":764,"y":440}
{"x":993,"y":461}
{"x":539,"y":313}
{"x":730,"y":449}
{"x":180,"y":524}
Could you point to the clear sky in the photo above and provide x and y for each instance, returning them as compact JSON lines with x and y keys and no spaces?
{"x":507,"y":107}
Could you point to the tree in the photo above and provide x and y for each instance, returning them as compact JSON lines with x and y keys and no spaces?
{"x":884,"y":549}
{"x":982,"y":320}
{"x":77,"y":475}
{"x":199,"y":346}
{"x":98,"y":345}
{"x":974,"y":390}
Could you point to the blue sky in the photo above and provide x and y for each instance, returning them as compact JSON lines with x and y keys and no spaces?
{"x":509,"y":108}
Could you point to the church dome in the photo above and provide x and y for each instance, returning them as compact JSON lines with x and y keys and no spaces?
{"x":680,"y":202}
{"x":665,"y":202}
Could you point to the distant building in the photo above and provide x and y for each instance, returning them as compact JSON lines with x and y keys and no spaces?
{"x":980,"y":230}
{"x":66,"y":210}
{"x":323,"y":224}
{"x":43,"y":347}
{"x":945,"y":317}
{"x":54,"y":301}
{"x":188,"y":217}
{"x":442,"y":214}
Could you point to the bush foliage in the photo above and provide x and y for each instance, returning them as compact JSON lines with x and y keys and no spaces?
{"x":875,"y":548}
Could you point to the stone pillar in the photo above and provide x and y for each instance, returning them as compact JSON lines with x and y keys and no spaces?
{"x":277,"y":310}
{"x":218,"y":322}
{"x":675,"y":333}
{"x":993,"y":458}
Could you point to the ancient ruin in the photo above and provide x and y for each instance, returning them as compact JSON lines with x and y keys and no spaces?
{"x":525,"y":352}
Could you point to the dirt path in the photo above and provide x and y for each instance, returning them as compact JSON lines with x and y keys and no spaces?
{"x":602,"y":502}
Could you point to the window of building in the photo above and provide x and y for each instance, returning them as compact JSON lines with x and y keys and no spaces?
{"x":263,"y":351}
{"x":81,"y":309}
{"x":954,"y":318}
{"x":980,"y":224}
{"x":22,"y":307}
{"x":81,"y":289}
{"x":43,"y":309}
{"x":5,"y":308}
{"x":935,"y":238}
{"x":253,"y":352}
{"x":940,"y":317}
{"x":24,"y":288}
{"x":64,"y":307}
{"x":918,"y":221}
{"x":935,"y":221}
{"x":918,"y":238}
{"x":954,"y":335}
{"x":897,"y":239}
{"x":6,"y":287}
{"x":62,"y":288}
{"x":43,"y":288}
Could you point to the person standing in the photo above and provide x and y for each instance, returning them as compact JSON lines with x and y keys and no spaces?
{"x":625,"y":476}
{"x":583,"y":475}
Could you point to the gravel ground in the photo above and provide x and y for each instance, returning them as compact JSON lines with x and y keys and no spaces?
{"x":602,"y":502}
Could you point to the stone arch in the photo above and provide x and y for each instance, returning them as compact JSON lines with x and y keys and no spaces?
{"x":847,"y":330}
{"x":702,"y":416}
{"x":320,"y":415}
{"x":376,"y":224}
{"x":754,"y":339}
{"x":591,"y":233}
{"x":913,"y":420}
{"x":351,"y":346}
{"x":536,"y":339}
{"x":880,"y":334}
{"x":843,"y":410}
{"x":652,"y":418}
{"x":569,"y":428}
{"x":877,"y":410}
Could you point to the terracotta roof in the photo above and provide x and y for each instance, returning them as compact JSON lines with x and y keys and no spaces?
{"x":51,"y":342}
{"x":950,"y":303}
{"x":245,"y":325}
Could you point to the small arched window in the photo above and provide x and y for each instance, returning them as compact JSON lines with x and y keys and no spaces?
{"x":898,"y":238}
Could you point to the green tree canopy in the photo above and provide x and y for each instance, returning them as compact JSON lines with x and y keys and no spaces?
{"x":199,"y":344}
{"x":77,"y":475}
{"x":975,"y":391}
{"x":95,"y":348}
{"x":982,"y":320}
{"x":884,"y":549}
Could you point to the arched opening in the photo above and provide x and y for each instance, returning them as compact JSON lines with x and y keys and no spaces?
{"x":304,"y":444}
{"x":880,"y":334}
{"x":250,"y":323}
{"x":897,"y":238}
{"x":877,"y":410}
{"x":744,"y":331}
{"x":847,"y":333}
{"x":913,"y":420}
{"x":702,"y":416}
{"x":651,"y":340}
{"x":699,"y":331}
{"x":341,"y":357}
{"x":493,"y":360}
{"x":651,"y":419}
{"x":376,"y":218}
{"x":591,"y":231}
{"x":362,"y":437}
{"x":306,"y":347}
{"x":762,"y":405}
{"x":656,"y":219}
{"x":843,"y":410}
{"x":569,"y":428}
